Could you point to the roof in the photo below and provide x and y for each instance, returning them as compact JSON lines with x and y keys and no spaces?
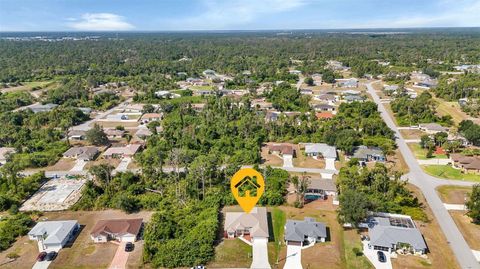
{"x":77,"y":133}
{"x":433,"y":127}
{"x":143,"y":132}
{"x":474,"y":165}
{"x":388,"y":231}
{"x":324,"y":115}
{"x":353,"y":98}
{"x":84,"y":152}
{"x":323,"y":106}
{"x":362,"y":152}
{"x":282,"y":148}
{"x":130,"y":149}
{"x":256,"y":221}
{"x":296,"y":230}
{"x":325,"y":96}
{"x":117,"y":226}
{"x":391,"y":88}
{"x":322,"y":184}
{"x":5,"y":151}
{"x":322,"y":148}
{"x":113,"y":132}
{"x":56,"y":231}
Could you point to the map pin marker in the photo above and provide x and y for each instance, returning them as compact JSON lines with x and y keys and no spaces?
{"x":247,"y":187}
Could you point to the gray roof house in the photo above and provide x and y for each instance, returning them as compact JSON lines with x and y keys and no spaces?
{"x":389,"y":232}
{"x":307,"y":231}
{"x":353,"y":98}
{"x":368,"y":154}
{"x":323,"y":107}
{"x":432,"y":128}
{"x":53,"y":235}
{"x":77,"y":134}
{"x":81,"y":153}
{"x":320,"y":188}
{"x":321,"y":150}
{"x":42,"y":108}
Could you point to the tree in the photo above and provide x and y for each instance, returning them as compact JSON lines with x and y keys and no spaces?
{"x":309,"y":81}
{"x":148,"y":108}
{"x":96,"y":136}
{"x":473,"y":204}
{"x":354,"y":207}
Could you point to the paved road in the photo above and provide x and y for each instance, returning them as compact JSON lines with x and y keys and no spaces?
{"x":86,"y":125}
{"x":427,"y":185}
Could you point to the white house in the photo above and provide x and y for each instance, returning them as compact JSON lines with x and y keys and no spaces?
{"x":321,"y":150}
{"x":53,"y":235}
{"x":122,"y":230}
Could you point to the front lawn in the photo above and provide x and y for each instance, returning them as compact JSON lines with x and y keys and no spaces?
{"x":232,"y":253}
{"x":422,"y":153}
{"x":448,"y":172}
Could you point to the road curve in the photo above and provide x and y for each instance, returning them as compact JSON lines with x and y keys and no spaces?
{"x":427,"y":185}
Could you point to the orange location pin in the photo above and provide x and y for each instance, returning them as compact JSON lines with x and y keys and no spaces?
{"x":247,"y":187}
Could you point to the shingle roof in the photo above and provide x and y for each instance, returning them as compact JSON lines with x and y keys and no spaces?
{"x":56,"y":231}
{"x":324,"y":149}
{"x":84,"y":152}
{"x":117,"y":226}
{"x":296,"y":230}
{"x":322,"y":184}
{"x":256,"y":221}
{"x":434,"y":127}
{"x":363,"y":151}
{"x":383,"y":233}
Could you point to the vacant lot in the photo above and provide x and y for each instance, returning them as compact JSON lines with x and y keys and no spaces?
{"x":453,"y":109}
{"x":411,"y":133}
{"x":453,"y":194}
{"x":27,"y":86}
{"x":396,"y":162}
{"x":470,"y":231}
{"x":440,"y":255}
{"x":446,"y":171}
{"x":422,"y":153}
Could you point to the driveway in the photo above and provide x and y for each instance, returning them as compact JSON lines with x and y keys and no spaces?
{"x":41,"y":265}
{"x":79,"y":165}
{"x":294,"y":257}
{"x":123,"y":165}
{"x":260,"y":254}
{"x":287,"y":161}
{"x":427,"y":185}
{"x":434,"y":162}
{"x":371,"y":255}
{"x":120,"y":259}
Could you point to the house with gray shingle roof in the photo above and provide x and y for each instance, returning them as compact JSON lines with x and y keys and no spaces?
{"x":53,"y":235}
{"x":305,"y":232}
{"x":369,"y":154}
{"x":390,"y":232}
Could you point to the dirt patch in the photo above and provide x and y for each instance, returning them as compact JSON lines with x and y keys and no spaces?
{"x":396,"y":162}
{"x":411,"y":133}
{"x":270,"y":159}
{"x":453,"y":194}
{"x":469,"y":230}
{"x":27,"y":251}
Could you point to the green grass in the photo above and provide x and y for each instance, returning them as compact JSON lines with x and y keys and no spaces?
{"x":278,"y":222}
{"x":448,"y":172}
{"x":351,"y":259}
{"x":232,"y":253}
{"x":444,"y":191}
{"x":198,"y":88}
{"x":421,"y":153}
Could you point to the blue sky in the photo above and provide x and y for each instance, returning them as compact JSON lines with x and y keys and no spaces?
{"x":157,"y":15}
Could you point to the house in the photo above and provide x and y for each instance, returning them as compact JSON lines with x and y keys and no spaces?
{"x":281,"y":149}
{"x":463,"y":101}
{"x":253,"y":224}
{"x":133,"y":108}
{"x":391,"y":89}
{"x":336,"y":66}
{"x":432,"y":128}
{"x":347,"y":83}
{"x":327,"y":98}
{"x":148,"y":117}
{"x":53,"y":235}
{"x":143,"y":133}
{"x":468,"y":164}
{"x":261,"y":104}
{"x":42,"y":108}
{"x":295,"y":72}
{"x":353,"y":98}
{"x":4,"y":154}
{"x":427,"y":83}
{"x":163,"y":94}
{"x":321,"y":150}
{"x":122,"y":230}
{"x":324,"y":107}
{"x":81,"y":153}
{"x":271,"y":116}
{"x":203,"y":92}
{"x":320,"y":188}
{"x":122,"y":152}
{"x":306,"y":91}
{"x":324,"y":115}
{"x":247,"y":73}
{"x":209,"y":73}
{"x":304,"y":232}
{"x":85,"y":110}
{"x":317,"y":79}
{"x":391,"y":232}
{"x":351,"y":92}
{"x":369,"y":154}
{"x":114,"y":133}
{"x":77,"y":134}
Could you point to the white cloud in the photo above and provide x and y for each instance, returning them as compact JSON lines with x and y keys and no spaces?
{"x":100,"y":22}
{"x":223,"y":14}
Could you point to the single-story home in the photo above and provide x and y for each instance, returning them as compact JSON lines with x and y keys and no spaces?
{"x":306,"y":91}
{"x":326,"y":97}
{"x":351,"y":92}
{"x":320,"y":188}
{"x":198,"y":107}
{"x":4,"y":153}
{"x":114,"y":133}
{"x":432,"y":128}
{"x":42,"y":108}
{"x":271,"y":116}
{"x":122,"y":230}
{"x":143,"y":133}
{"x":81,"y":153}
{"x":347,"y":83}
{"x":85,"y":110}
{"x":77,"y":134}
{"x":353,"y":98}
{"x":53,"y":235}
{"x":281,"y":149}
{"x":369,"y":154}
{"x":324,"y":115}
{"x":427,"y":83}
{"x":121,"y":152}
{"x":304,"y":232}
{"x":322,"y":150}
{"x":148,"y":117}
{"x":253,"y":224}
{"x":317,"y":79}
{"x":390,"y":232}
{"x":468,"y":164}
{"x":324,"y":107}
{"x":390,"y":88}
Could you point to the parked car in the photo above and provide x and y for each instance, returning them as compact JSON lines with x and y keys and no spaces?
{"x":199,"y":267}
{"x":41,"y":256}
{"x":381,"y":256}
{"x":51,"y":256}
{"x":129,"y":247}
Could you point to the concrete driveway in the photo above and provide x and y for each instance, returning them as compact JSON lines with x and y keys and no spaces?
{"x":287,"y":161}
{"x":79,"y":165}
{"x":123,"y":165}
{"x":371,"y":254}
{"x":120,"y":259}
{"x":294,"y":257}
{"x":260,"y":254}
{"x":41,"y":265}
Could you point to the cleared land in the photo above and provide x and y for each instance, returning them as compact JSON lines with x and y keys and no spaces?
{"x":411,"y":133}
{"x":453,"y":194}
{"x":453,"y":109}
{"x":446,"y":171}
{"x":422,"y":153}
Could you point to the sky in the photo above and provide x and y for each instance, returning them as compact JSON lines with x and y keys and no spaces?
{"x":181,"y":15}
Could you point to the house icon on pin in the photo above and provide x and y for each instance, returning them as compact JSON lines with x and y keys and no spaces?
{"x":247,"y":187}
